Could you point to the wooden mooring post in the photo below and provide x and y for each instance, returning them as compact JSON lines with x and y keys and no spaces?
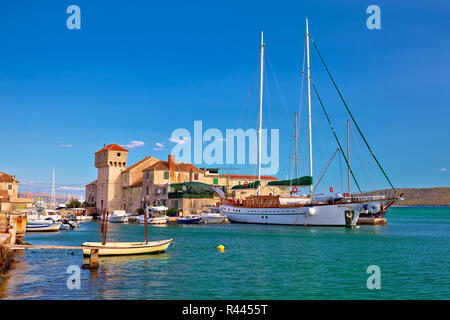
{"x":93,"y":260}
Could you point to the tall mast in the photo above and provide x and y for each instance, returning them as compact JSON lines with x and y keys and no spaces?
{"x":260,"y":108}
{"x":53,"y":187}
{"x":311,"y":190}
{"x":348,"y":157}
{"x":296,"y":140}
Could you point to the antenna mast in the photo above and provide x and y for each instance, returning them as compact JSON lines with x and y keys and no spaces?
{"x":53,"y":187}
{"x":311,"y":190}
{"x":260,"y":109}
{"x":296,"y":141}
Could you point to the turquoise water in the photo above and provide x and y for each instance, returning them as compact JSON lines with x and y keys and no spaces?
{"x":259,"y":262}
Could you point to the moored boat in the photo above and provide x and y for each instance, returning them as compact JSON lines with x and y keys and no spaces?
{"x":43,"y":226}
{"x":127,"y":248}
{"x":190,"y":219}
{"x":311,"y":210}
{"x":212,"y":215}
{"x":118,"y":216}
{"x":156,"y":215}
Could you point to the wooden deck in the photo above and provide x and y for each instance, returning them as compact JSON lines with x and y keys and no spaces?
{"x":28,"y":246}
{"x":93,"y":257}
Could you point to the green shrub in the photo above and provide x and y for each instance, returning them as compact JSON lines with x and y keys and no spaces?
{"x":172,"y":211}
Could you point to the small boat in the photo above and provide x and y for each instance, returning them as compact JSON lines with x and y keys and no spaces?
{"x":69,"y":225}
{"x":52,"y":214}
{"x":153,"y":220}
{"x":118,"y":216}
{"x":127,"y":248}
{"x":190,"y":219}
{"x":106,"y":248}
{"x":79,"y":214}
{"x":212,"y":215}
{"x":43,"y":226}
{"x":156,"y":215}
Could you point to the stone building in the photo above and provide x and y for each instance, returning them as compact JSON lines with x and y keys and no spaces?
{"x":9,"y":194}
{"x":117,"y":186}
{"x":148,"y":181}
{"x":158,"y":176}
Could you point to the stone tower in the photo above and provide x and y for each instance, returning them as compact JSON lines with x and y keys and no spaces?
{"x":111,"y":160}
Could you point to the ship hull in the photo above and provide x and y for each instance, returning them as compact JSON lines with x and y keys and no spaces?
{"x":324,"y":215}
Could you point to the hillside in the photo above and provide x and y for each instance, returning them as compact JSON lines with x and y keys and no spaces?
{"x":422,"y":196}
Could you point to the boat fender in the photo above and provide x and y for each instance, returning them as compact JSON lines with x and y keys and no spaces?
{"x":311,"y":211}
{"x":220,"y":248}
{"x":373,"y":207}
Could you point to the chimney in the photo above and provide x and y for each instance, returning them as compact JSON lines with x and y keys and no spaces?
{"x":171,"y":162}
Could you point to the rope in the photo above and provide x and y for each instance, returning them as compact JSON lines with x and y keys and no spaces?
{"x":348,"y":110}
{"x":335,"y":136}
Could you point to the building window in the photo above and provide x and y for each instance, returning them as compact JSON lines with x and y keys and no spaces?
{"x":148,"y":175}
{"x":124,"y":192}
{"x":9,"y":186}
{"x":118,"y":154}
{"x":131,"y":190}
{"x":146,"y":191}
{"x":139,"y":191}
{"x":175,"y":204}
{"x":195,"y":176}
{"x":215,"y":181}
{"x":166,"y":175}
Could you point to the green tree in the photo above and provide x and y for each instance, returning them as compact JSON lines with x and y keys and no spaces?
{"x":73,"y":203}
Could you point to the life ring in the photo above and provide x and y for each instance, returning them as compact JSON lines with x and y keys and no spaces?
{"x":245,"y":184}
{"x":294,"y":190}
{"x":331,"y":189}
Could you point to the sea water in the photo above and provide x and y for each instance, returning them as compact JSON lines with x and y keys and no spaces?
{"x":412,"y":253}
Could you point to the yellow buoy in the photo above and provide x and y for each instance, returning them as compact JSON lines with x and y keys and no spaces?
{"x":220,"y":247}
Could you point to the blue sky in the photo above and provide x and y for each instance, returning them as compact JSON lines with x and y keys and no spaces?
{"x":138,"y":70}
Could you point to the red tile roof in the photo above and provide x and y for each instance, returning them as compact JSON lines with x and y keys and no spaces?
{"x":137,"y":163}
{"x":112,"y":146}
{"x":93,"y":182}
{"x":179,"y":166}
{"x":138,"y":183}
{"x":4,"y":177}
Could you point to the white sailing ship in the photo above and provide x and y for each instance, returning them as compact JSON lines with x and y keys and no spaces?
{"x":301,"y":210}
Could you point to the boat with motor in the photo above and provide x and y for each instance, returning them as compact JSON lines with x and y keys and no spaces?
{"x":118,"y":216}
{"x":78,"y":214}
{"x":190,"y":219}
{"x":156,"y":215}
{"x":212,"y":215}
{"x":67,"y":224}
{"x":43,"y":226}
{"x":308,"y":210}
{"x":55,"y":215}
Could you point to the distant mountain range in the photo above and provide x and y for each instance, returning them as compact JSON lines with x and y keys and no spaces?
{"x":421,"y":196}
{"x":47,"y":197}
